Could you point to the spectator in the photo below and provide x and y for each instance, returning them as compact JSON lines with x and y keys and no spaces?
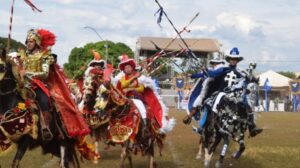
{"x":286,"y":103}
{"x":276,"y":102}
{"x":262,"y":103}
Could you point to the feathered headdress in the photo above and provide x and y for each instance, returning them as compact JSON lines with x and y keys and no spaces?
{"x":44,"y":38}
{"x":97,"y":60}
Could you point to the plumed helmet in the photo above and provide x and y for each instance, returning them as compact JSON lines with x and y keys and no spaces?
{"x":43,"y":38}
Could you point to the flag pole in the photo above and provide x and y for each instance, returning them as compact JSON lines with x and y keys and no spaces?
{"x":266,"y":101}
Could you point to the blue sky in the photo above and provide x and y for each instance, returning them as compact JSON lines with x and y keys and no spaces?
{"x":267,"y":32}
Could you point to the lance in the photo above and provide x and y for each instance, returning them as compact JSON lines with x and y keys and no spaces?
{"x":181,"y":51}
{"x":33,"y":7}
{"x":160,"y":54}
{"x":10,"y":25}
{"x":160,"y":66}
{"x":162,"y":51}
{"x":190,"y":52}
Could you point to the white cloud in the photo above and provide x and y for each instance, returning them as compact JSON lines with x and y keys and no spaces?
{"x":238,"y":22}
{"x":263,"y":30}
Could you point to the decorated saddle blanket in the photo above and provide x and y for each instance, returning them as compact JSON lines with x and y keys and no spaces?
{"x":126,"y":127}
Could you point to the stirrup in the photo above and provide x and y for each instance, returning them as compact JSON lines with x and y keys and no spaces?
{"x":46,"y":134}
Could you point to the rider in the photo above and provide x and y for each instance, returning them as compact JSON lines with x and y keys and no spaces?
{"x":207,"y":87}
{"x":43,"y":78}
{"x":36,"y":65}
{"x":231,"y":79}
{"x":130,"y":86}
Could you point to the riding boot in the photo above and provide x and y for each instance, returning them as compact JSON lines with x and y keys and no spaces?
{"x":188,"y":118}
{"x":253,"y":130}
{"x":45,"y":124}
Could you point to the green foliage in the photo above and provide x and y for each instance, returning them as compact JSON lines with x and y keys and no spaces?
{"x":288,"y":74}
{"x":80,"y":57}
{"x":14,"y":45}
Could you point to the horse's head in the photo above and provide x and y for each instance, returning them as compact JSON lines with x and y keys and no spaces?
{"x":108,"y":100}
{"x":252,"y":92}
{"x":103,"y":94}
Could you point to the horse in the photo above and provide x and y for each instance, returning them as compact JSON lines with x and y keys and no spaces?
{"x":230,"y":122}
{"x":13,"y":112}
{"x":125,"y":127}
{"x":86,"y":101}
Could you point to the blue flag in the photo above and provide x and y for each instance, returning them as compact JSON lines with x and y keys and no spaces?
{"x":179,"y":83}
{"x":267,"y":85}
{"x":295,"y":86}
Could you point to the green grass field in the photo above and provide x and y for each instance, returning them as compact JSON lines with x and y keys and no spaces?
{"x":278,"y":146}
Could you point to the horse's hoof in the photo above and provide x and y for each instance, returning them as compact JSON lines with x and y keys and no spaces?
{"x":15,"y":164}
{"x":206,"y":163}
{"x":154,"y":165}
{"x":218,"y":164}
{"x":236,"y":155}
{"x":198,"y":157}
{"x":95,"y":161}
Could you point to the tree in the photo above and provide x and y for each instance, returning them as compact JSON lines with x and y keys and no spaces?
{"x":14,"y":45}
{"x":80,"y":57}
{"x":288,"y":74}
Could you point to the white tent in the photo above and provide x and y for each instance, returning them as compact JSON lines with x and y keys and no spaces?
{"x":276,"y":80}
{"x":280,"y":88}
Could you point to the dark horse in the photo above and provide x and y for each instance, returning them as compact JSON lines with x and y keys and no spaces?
{"x":60,"y":145}
{"x":230,"y":122}
{"x":125,"y":127}
{"x":97,"y":124}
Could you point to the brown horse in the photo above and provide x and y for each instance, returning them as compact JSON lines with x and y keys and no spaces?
{"x":26,"y":121}
{"x":125,"y":127}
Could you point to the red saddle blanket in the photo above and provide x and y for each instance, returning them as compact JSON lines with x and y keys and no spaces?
{"x":124,"y":128}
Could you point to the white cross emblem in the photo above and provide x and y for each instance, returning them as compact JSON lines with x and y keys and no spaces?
{"x":230,"y":78}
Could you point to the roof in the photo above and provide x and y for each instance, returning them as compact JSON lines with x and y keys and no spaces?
{"x":197,"y":45}
{"x":275,"y":79}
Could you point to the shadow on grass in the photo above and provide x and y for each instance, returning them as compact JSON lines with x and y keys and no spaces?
{"x":238,"y":163}
{"x":145,"y":163}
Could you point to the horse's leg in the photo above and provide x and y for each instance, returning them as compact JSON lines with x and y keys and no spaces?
{"x":152,"y":163}
{"x":94,"y":137}
{"x":242,"y":148}
{"x":73,"y":159}
{"x":199,"y":154}
{"x":130,"y":160}
{"x":95,"y":161}
{"x":69,"y":157}
{"x":210,"y":150}
{"x":22,"y":148}
{"x":223,"y":152}
{"x":63,"y":158}
{"x":123,"y":156}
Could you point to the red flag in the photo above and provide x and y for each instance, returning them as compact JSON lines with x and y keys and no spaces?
{"x":108,"y":71}
{"x":33,"y":7}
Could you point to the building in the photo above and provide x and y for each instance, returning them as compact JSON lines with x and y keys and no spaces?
{"x":204,"y":49}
